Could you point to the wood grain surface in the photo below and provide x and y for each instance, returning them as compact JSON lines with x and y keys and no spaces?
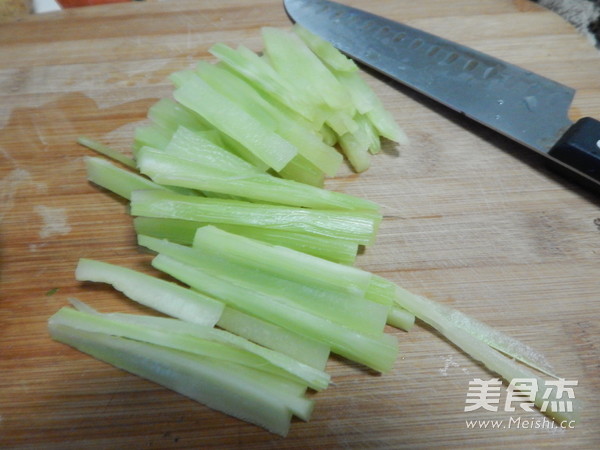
{"x":472,"y":220}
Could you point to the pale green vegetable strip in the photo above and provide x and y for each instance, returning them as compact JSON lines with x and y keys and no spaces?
{"x":205,"y":148}
{"x":183,"y":231}
{"x":360,"y":92}
{"x":213,"y":383}
{"x":239,"y":92}
{"x":480,"y":351}
{"x":236,"y":123}
{"x":369,"y":104}
{"x":294,"y":61}
{"x":106,"y":151}
{"x":181,"y":77}
{"x":166,"y":297}
{"x":356,"y":149}
{"x":301,"y":170}
{"x":301,"y":348}
{"x":166,"y":169}
{"x":377,"y":353}
{"x":202,"y":341}
{"x":381,"y":290}
{"x":282,"y":261}
{"x":370,"y":132}
{"x":255,"y":69}
{"x":356,"y":226}
{"x":152,"y":135}
{"x":330,"y":55}
{"x":120,"y":181}
{"x":171,"y":115}
{"x":400,"y":318}
{"x":278,"y":119}
{"x":492,"y":337}
{"x":351,"y":311}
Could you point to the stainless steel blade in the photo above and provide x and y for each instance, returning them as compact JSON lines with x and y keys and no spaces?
{"x":522,"y":105}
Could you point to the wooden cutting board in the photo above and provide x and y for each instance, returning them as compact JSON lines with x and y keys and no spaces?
{"x":471,"y":220}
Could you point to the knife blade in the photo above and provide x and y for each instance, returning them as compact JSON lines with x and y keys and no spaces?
{"x":524,"y":106}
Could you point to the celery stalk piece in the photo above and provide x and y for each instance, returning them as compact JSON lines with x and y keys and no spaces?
{"x":301,"y":170}
{"x":120,"y":181}
{"x":152,"y":135}
{"x":326,"y":52}
{"x":386,"y":126}
{"x":238,"y":91}
{"x":360,"y":92}
{"x":226,"y":116}
{"x":341,"y":122}
{"x":379,"y":353}
{"x":355,"y":226}
{"x":492,"y":337}
{"x":166,"y":169}
{"x":400,"y":318}
{"x":256,"y":70}
{"x":294,"y":61}
{"x":202,"y":341}
{"x":341,"y":307}
{"x":356,"y":148}
{"x":166,"y":297}
{"x":201,"y":147}
{"x":301,"y":348}
{"x":381,"y":290}
{"x":216,"y":384}
{"x":171,"y":115}
{"x":290,"y":128}
{"x":371,"y":133}
{"x":181,"y":77}
{"x":282,"y":261}
{"x":328,"y":135}
{"x":367,"y":103}
{"x":494,"y":360}
{"x":106,"y":151}
{"x":183,"y":231}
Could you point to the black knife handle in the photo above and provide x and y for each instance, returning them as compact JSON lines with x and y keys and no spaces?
{"x":579,"y":148}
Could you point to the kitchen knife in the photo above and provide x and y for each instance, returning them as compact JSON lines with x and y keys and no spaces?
{"x":526,"y":107}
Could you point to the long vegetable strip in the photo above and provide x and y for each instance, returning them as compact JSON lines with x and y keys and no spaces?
{"x":197,"y":339}
{"x":207,"y":149}
{"x":291,"y":126}
{"x":400,"y":318}
{"x":356,"y":226}
{"x":170,"y":170}
{"x":301,"y":348}
{"x":282,"y":261}
{"x":377,"y":353}
{"x":122,"y":181}
{"x":183,"y":231}
{"x":170,"y":114}
{"x":349,"y":310}
{"x":213,"y":383}
{"x":491,"y":358}
{"x":326,"y":52}
{"x":106,"y":151}
{"x":296,"y":63}
{"x":164,"y":296}
{"x":302,"y":170}
{"x":381,"y":290}
{"x":153,"y":135}
{"x":224,"y":115}
{"x":492,"y":337}
{"x":258,"y":71}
